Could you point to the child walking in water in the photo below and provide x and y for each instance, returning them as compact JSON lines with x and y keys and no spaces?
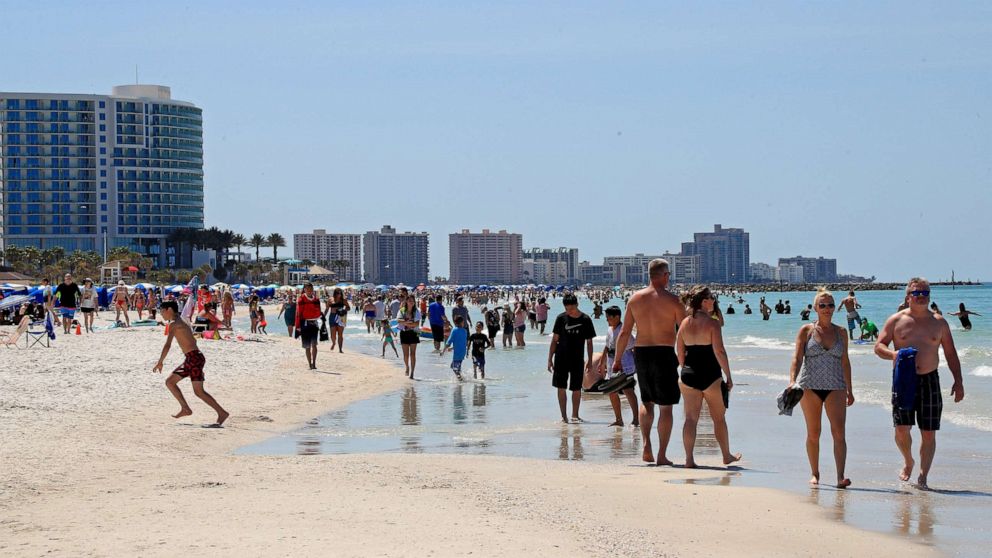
{"x":458,"y":340}
{"x":387,"y":339}
{"x":192,"y":366}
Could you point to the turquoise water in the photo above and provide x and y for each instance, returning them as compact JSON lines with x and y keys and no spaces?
{"x":514,"y":412}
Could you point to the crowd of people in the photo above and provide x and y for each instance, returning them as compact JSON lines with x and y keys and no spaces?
{"x":667,"y":344}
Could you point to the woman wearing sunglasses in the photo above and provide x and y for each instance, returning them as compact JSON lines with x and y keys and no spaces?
{"x":821,"y":367}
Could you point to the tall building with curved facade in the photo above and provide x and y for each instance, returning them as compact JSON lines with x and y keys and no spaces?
{"x":92,"y":172}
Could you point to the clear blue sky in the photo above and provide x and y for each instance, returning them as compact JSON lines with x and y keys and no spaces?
{"x":854,"y":131}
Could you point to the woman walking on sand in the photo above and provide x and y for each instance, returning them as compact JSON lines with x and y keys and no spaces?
{"x":288,"y":312}
{"x":307,"y":316}
{"x":337,"y":314}
{"x":821,"y":367}
{"x":408,"y":323}
{"x":227,"y":309}
{"x":700,"y":350}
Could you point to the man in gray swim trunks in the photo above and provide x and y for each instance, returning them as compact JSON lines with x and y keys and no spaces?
{"x":656,"y":313}
{"x":850,"y":303}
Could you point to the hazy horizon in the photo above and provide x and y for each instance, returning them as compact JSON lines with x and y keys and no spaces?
{"x":850,"y":131}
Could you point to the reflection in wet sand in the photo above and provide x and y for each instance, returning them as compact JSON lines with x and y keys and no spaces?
{"x":410,"y":412}
{"x":575,"y":452}
{"x":918,"y":508}
{"x":458,"y":405}
{"x":309,"y":445}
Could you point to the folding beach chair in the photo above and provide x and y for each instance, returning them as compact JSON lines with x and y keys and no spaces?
{"x":42,"y":337}
{"x":10,"y":340}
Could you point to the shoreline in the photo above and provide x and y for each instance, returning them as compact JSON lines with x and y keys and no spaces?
{"x":92,"y":450}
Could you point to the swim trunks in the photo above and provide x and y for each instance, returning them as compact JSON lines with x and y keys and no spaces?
{"x":568,"y":373}
{"x":192,"y":367}
{"x":658,"y":374}
{"x":479,"y":361}
{"x":437,"y":332}
{"x":68,"y":312}
{"x":456,"y":366}
{"x":927,"y":405}
{"x":309,"y":333}
{"x":852,"y":318}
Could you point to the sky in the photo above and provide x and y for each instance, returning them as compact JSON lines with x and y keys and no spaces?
{"x":859,"y":131}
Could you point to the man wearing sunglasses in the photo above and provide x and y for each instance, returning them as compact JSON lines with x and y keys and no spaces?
{"x":919,"y":328}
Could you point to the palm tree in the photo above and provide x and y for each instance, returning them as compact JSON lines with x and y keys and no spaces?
{"x":276,"y":241}
{"x":239,"y":240}
{"x":257,"y":241}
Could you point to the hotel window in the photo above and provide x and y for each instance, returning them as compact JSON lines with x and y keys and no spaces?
{"x":103,"y":104}
{"x":103,"y":127}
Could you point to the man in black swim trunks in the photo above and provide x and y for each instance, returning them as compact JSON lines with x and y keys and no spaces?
{"x":656,"y":313}
{"x":917,"y":327}
{"x":573,"y":331}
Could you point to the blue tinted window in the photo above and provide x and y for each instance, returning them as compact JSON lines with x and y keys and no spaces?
{"x":103,"y":173}
{"x":103,"y":127}
{"x":103,"y":139}
{"x":103,"y":151}
{"x":103,"y":116}
{"x":103,"y":206}
{"x":103,"y":219}
{"x":103,"y":104}
{"x":103,"y":185}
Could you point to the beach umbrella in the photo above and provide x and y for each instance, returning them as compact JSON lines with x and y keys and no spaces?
{"x":240,"y":286}
{"x":175,"y":289}
{"x":145,"y":286}
{"x":12,"y":301}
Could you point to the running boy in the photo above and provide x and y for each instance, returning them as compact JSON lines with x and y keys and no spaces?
{"x":458,"y":340}
{"x":387,"y":338}
{"x":480,"y":342}
{"x":192,"y":366}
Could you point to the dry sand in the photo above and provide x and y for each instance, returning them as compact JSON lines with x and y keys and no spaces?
{"x":91,"y":464}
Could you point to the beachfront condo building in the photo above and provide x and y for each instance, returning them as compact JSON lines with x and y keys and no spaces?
{"x":341,"y":253}
{"x":762,"y":272}
{"x":630,"y":270}
{"x":684,"y":269}
{"x":392,"y":258}
{"x":815,"y":270}
{"x":790,"y":273}
{"x":551,"y":266}
{"x":724,"y":255}
{"x":485,"y":258}
{"x":92,"y":172}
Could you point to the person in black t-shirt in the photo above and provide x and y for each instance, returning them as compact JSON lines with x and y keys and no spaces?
{"x":573,"y":332}
{"x":67,"y":293}
{"x":479,"y":342}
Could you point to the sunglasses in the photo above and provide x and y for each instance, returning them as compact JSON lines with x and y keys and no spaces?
{"x":923,"y":294}
{"x":827,"y":305}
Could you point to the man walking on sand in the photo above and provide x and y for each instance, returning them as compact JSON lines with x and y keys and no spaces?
{"x":656,"y":313}
{"x":192,"y":366}
{"x":919,"y":328}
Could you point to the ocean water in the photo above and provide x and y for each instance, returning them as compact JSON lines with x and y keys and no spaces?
{"x":514,"y":412}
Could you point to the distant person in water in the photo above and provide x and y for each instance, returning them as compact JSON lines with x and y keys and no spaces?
{"x":822,"y":368}
{"x":192,"y":366}
{"x":730,"y":309}
{"x":850,"y":303}
{"x":935,"y":309}
{"x":962,"y":314}
{"x":919,"y":328}
{"x":804,"y":314}
{"x":747,"y":309}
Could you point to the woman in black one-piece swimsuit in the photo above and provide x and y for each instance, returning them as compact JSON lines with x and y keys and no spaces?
{"x":699,"y":346}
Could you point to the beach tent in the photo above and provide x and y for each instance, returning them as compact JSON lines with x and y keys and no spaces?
{"x":102,"y":297}
{"x":13,"y":301}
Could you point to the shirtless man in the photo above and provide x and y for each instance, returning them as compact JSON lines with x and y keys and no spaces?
{"x":655,"y":312}
{"x":192,"y":366}
{"x":918,"y":327}
{"x":851,"y":305}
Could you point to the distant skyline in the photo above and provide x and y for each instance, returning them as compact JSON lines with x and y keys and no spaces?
{"x":850,"y":131}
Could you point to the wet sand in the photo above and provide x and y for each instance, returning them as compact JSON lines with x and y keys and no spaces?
{"x":92,"y":465}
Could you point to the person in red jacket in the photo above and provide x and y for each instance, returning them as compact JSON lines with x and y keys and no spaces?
{"x":307,"y":315}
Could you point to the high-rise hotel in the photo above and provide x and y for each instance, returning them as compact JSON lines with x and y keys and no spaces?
{"x":91,"y":172}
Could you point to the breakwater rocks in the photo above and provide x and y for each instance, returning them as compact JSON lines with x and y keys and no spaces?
{"x":833,"y":287}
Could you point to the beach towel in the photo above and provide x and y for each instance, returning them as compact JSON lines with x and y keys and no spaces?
{"x":788,"y":399}
{"x":904,"y":379}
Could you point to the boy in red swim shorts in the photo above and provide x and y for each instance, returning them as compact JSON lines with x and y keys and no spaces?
{"x":192,"y":366}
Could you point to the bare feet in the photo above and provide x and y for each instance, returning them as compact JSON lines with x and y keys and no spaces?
{"x":733,"y":458}
{"x":577,"y":419}
{"x":564,"y":420}
{"x":815,"y":479}
{"x":921,"y":483}
{"x":906,"y":471}
{"x":662,"y":460}
{"x":635,"y":424}
{"x":222,"y":416}
{"x":617,"y":423}
{"x":690,"y":464}
{"x":647,"y":455}
{"x":183,"y":413}
{"x":843,"y":483}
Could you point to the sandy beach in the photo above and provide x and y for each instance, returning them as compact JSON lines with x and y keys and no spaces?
{"x":91,"y":464}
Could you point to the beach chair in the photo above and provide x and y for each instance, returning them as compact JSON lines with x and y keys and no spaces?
{"x":42,"y":337}
{"x":10,"y":340}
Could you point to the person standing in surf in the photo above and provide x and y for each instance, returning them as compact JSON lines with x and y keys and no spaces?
{"x":822,"y":368}
{"x":656,"y":312}
{"x":573,"y":331}
{"x":850,"y":303}
{"x":962,"y":314}
{"x":916,"y":327}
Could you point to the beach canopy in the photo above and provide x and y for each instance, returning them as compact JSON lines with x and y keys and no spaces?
{"x":240,"y":286}
{"x":12,"y":301}
{"x":145,"y":286}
